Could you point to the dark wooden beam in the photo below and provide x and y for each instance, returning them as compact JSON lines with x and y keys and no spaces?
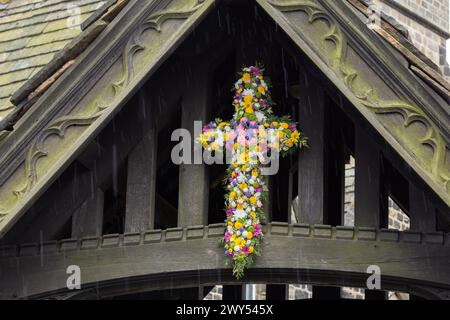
{"x":141,"y":184}
{"x":336,"y":253}
{"x":194,"y":182}
{"x":422,"y":210}
{"x":87,"y":221}
{"x":311,"y":163}
{"x":367,"y":180}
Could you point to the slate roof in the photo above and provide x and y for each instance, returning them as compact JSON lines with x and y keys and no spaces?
{"x":31,"y":32}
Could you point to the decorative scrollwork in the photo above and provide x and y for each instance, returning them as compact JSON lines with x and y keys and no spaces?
{"x":60,"y":126}
{"x":38,"y":151}
{"x":368,"y":97}
{"x":156,"y":20}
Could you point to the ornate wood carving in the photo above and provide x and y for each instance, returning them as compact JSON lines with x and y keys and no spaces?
{"x":367,"y":93}
{"x":94,"y":111}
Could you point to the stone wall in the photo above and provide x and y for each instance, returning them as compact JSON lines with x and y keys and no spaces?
{"x":424,"y":36}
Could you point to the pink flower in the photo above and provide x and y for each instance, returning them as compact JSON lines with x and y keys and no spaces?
{"x":257,"y":231}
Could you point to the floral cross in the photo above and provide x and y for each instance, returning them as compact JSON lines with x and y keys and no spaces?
{"x":253,"y":136}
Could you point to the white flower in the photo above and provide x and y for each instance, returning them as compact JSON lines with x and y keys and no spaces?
{"x":260,"y":116}
{"x":259,"y":204}
{"x":245,"y":234}
{"x":236,"y":248}
{"x":238,"y":233}
{"x":240,"y":214}
{"x":248,"y":92}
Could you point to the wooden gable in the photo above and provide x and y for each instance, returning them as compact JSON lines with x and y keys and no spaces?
{"x":352,"y":94}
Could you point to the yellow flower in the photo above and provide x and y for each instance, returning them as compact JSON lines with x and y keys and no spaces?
{"x":251,"y":249}
{"x":232,"y":195}
{"x":230,"y":223}
{"x":266,"y":125}
{"x":284,"y":125}
{"x":223,"y":124}
{"x":215,"y":146}
{"x":242,"y":158}
{"x":253,"y":200}
{"x":261,"y":90}
{"x":250,"y":235}
{"x":249,"y":110}
{"x":238,"y":225}
{"x":275,"y":124}
{"x":244,"y":168}
{"x":246,"y":77}
{"x":295,"y":136}
{"x":252,"y":215}
{"x":243,"y":186}
{"x":289,"y":143}
{"x":240,"y":90}
{"x":248,"y":99}
{"x":204,"y":141}
{"x":239,"y":206}
{"x":263,"y":133}
{"x":281,"y":134}
{"x":255,"y":173}
{"x":236,"y":107}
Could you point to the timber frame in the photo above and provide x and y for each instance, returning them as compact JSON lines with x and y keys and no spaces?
{"x":367,"y":76}
{"x":143,"y":261}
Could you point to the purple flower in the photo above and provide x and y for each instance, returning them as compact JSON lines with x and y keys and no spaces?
{"x":257,"y":231}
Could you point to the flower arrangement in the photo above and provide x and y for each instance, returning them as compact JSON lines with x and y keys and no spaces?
{"x":252,"y":137}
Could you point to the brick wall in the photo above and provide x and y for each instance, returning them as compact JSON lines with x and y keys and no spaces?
{"x":424,"y":37}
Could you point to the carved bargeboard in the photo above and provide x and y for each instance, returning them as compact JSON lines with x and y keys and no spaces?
{"x":405,"y":125}
{"x":147,"y":47}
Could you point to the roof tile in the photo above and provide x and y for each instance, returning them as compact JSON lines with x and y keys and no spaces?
{"x":31,"y":32}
